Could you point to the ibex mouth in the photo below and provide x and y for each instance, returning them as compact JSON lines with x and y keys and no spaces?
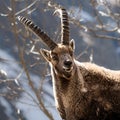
{"x":66,"y":69}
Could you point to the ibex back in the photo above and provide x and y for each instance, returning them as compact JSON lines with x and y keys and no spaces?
{"x":82,"y":91}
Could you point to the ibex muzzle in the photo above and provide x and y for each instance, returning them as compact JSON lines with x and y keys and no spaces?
{"x":82,"y":91}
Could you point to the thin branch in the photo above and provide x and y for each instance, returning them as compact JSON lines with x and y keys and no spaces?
{"x":14,"y":27}
{"x":28,"y":7}
{"x":106,"y":37}
{"x":41,"y":105}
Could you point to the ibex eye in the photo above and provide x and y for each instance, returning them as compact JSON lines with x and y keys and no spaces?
{"x":71,"y":53}
{"x":54,"y":57}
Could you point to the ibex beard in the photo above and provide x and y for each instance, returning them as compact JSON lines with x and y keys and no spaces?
{"x":82,"y":91}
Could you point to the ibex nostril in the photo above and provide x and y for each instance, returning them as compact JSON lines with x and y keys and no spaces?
{"x":68,"y":63}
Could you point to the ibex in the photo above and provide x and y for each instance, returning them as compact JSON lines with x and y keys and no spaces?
{"x":82,"y":91}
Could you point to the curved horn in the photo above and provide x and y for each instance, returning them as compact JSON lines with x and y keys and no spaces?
{"x":35,"y":29}
{"x":64,"y":26}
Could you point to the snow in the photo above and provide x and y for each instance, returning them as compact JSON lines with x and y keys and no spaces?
{"x":25,"y":103}
{"x":77,"y":13}
{"x":8,"y":110}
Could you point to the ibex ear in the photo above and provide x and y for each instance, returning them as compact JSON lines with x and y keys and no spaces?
{"x":45,"y":54}
{"x":72,"y":44}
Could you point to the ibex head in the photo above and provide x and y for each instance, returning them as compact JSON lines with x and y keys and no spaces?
{"x":60,"y":55}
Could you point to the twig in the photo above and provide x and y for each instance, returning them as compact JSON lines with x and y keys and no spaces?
{"x":28,"y":7}
{"x":41,"y":105}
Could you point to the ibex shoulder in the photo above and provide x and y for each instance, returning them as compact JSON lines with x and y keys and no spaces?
{"x":93,"y":69}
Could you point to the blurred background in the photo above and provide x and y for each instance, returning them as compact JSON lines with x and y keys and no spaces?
{"x":25,"y":81}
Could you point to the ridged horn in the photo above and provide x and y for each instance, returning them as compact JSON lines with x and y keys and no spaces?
{"x":35,"y":29}
{"x":64,"y":26}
